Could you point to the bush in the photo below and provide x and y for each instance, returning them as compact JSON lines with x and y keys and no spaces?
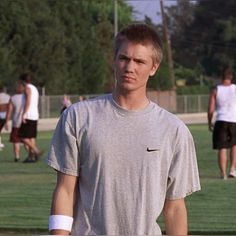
{"x":194,"y":89}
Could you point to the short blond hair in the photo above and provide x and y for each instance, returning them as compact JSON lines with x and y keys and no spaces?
{"x":142,"y":34}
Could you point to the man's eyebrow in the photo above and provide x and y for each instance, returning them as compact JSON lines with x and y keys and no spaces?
{"x":140,"y":60}
{"x":122,"y":55}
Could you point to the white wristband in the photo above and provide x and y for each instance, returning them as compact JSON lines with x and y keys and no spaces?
{"x":60,"y":222}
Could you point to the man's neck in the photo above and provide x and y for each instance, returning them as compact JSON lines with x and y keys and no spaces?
{"x":226,"y":82}
{"x":131,"y":101}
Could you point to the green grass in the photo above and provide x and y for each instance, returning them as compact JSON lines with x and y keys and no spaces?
{"x":213,"y":209}
{"x":26,"y":191}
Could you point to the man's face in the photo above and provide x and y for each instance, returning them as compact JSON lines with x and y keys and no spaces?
{"x":133,"y":66}
{"x":229,"y":76}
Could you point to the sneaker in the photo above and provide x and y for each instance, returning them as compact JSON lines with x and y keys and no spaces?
{"x":232,"y":174}
{"x":29,"y":160}
{"x":223,"y":177}
{"x":16,"y":159}
{"x":2,"y":145}
{"x":38,"y":155}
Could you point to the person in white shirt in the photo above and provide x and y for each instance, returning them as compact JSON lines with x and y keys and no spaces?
{"x":4,"y":103}
{"x":223,"y":101}
{"x":30,"y":116}
{"x":14,"y":113}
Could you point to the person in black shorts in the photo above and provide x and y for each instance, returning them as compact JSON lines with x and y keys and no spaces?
{"x":223,"y":100}
{"x":30,"y":116}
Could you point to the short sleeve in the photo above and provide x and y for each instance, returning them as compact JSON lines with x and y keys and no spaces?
{"x":183,"y":178}
{"x":63,"y":155}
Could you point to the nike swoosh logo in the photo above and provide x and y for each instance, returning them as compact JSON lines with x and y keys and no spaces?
{"x":152,"y":150}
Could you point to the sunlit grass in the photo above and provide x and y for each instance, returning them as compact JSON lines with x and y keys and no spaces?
{"x":26,"y":191}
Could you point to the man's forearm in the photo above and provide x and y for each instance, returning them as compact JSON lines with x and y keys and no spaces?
{"x":62,"y":205}
{"x":61,"y":219}
{"x":209,"y":118}
{"x":26,"y":107}
{"x":175,"y":217}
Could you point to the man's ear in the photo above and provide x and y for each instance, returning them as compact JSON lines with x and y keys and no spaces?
{"x":154,"y":69}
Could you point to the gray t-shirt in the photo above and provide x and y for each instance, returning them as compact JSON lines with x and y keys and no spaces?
{"x":128,"y":163}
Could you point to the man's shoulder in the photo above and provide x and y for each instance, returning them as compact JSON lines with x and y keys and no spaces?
{"x":5,"y":97}
{"x":168,"y":119}
{"x":17,"y":96}
{"x":166,"y":115}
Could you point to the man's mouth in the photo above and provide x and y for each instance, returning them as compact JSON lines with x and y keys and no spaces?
{"x":128,"y":78}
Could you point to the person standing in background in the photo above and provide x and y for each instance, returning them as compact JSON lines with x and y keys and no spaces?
{"x":30,"y":116}
{"x":4,"y":103}
{"x":66,"y":102}
{"x":15,"y":112}
{"x":223,"y":101}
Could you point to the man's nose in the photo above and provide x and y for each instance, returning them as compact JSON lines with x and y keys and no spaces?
{"x":130,"y":66}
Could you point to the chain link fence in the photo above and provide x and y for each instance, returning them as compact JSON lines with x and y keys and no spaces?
{"x":192,"y":103}
{"x":50,"y":106}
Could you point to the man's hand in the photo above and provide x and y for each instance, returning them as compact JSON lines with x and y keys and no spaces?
{"x":210,"y":127}
{"x":7,"y":125}
{"x":24,"y":118}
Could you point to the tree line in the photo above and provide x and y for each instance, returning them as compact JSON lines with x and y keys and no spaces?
{"x":67,"y":46}
{"x":203,"y":36}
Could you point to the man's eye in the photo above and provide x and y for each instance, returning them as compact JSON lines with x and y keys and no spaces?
{"x":140,"y":62}
{"x":122,"y":58}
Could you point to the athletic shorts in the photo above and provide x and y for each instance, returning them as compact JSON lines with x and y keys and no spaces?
{"x":28,"y":129}
{"x":224,"y":134}
{"x":14,"y":136}
{"x":2,"y":123}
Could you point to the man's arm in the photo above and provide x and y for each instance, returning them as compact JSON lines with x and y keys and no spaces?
{"x":175,"y":217}
{"x":8,"y":115}
{"x":63,"y":199}
{"x":211,"y":108}
{"x":27,"y":102}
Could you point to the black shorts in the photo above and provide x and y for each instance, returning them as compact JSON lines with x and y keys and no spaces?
{"x":2,"y":123}
{"x":224,"y":135}
{"x":28,"y":129}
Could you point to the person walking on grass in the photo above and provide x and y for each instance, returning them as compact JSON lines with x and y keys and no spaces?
{"x":120,"y":158}
{"x":4,"y":103}
{"x":15,"y":111}
{"x":30,"y":116}
{"x":223,"y":101}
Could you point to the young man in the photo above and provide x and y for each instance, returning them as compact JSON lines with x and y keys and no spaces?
{"x":14,"y":113}
{"x":30,"y":116}
{"x":4,"y":103}
{"x":223,"y":100}
{"x":120,"y":158}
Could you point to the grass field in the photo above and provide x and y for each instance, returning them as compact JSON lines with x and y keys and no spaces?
{"x":26,"y":191}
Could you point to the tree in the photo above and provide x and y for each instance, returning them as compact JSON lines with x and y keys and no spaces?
{"x":65,"y":45}
{"x":208,"y":37}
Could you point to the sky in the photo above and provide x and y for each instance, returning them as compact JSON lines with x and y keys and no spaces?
{"x":151,"y":8}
